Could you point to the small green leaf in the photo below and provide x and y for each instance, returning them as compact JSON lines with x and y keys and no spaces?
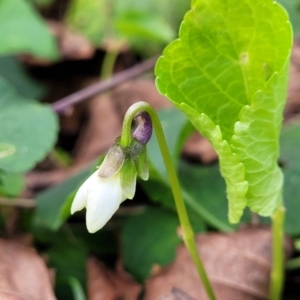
{"x":24,"y":31}
{"x":12,"y":70}
{"x":149,"y":239}
{"x":139,"y":27}
{"x":228,"y":72}
{"x":11,"y":184}
{"x":89,"y":17}
{"x":131,"y":21}
{"x":28,"y":130}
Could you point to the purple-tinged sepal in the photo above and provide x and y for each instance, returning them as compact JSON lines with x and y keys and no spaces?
{"x":139,"y":158}
{"x":143,"y":132}
{"x":113,"y":161}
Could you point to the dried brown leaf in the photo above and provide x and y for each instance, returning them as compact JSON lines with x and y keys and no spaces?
{"x":238,"y":265}
{"x":104,"y":284}
{"x":23,"y":274}
{"x":199,"y":148}
{"x":102,"y":128}
{"x":292,"y":109}
{"x":72,"y":45}
{"x":141,"y":89}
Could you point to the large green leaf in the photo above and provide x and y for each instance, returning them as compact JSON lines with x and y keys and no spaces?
{"x":22,"y":30}
{"x":28,"y":130}
{"x":228,"y":73}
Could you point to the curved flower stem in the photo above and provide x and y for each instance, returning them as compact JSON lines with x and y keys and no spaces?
{"x":188,"y":234}
{"x":278,"y":257}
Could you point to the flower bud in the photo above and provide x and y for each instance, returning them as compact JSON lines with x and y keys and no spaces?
{"x":143,"y":132}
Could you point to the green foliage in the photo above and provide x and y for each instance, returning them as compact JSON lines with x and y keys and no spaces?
{"x":22,"y":30}
{"x":53,"y":205}
{"x":134,"y":22}
{"x":11,"y":184}
{"x":228,"y":73}
{"x":149,"y":239}
{"x":12,"y":70}
{"x":175,"y":133}
{"x":61,"y":157}
{"x":67,"y":254}
{"x":89,"y":17}
{"x":77,"y":290}
{"x":205,"y":201}
{"x":204,"y":189}
{"x":74,"y":266}
{"x":139,"y":26}
{"x":42,"y":3}
{"x":28,"y":130}
{"x":290,"y":159}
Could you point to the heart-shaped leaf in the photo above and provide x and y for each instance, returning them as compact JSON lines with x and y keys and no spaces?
{"x":228,"y":73}
{"x":28,"y":130}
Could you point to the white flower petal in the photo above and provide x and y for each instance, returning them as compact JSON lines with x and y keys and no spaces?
{"x":80,"y":198}
{"x":102,"y":202}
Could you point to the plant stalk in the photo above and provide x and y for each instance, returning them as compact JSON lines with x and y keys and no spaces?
{"x":277,"y":275}
{"x":108,"y":64}
{"x":188,"y":233}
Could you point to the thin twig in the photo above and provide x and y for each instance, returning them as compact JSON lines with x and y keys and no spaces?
{"x":61,"y":105}
{"x":19,"y":202}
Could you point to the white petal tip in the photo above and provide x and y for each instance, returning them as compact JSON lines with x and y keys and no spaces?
{"x":93,"y":230}
{"x":77,"y":205}
{"x":73,"y":210}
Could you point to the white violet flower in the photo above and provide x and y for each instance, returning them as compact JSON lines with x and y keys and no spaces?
{"x":103,"y":192}
{"x":101,"y":197}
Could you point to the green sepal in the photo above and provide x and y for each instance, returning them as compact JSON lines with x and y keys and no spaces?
{"x":113,"y":161}
{"x":128,"y":177}
{"x":139,"y":158}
